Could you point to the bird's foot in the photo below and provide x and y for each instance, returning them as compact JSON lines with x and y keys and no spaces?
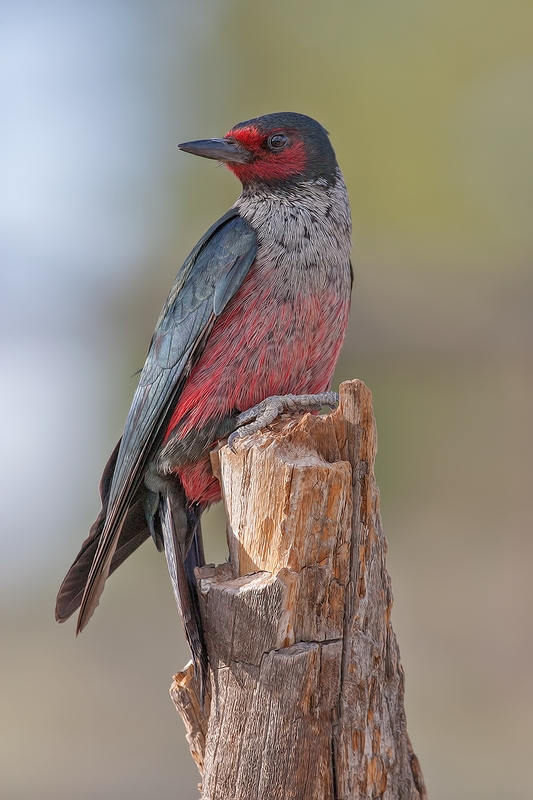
{"x":266,"y":412}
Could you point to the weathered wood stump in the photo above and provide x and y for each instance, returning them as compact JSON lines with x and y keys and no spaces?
{"x":307,"y":688}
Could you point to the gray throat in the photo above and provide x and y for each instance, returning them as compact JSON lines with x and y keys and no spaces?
{"x":304,"y":232}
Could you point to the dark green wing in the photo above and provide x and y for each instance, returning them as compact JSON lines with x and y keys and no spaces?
{"x":209,"y":278}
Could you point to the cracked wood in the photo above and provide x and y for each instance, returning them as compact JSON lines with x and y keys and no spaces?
{"x":306,"y":683}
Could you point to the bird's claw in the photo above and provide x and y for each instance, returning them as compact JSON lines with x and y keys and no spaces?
{"x":265,"y":413}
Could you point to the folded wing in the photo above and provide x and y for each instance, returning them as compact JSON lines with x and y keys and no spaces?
{"x":209,"y":278}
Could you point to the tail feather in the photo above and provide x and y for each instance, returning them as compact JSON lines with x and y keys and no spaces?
{"x":176,"y":526}
{"x":134,"y":532}
{"x":173,"y":522}
{"x":195,"y":556}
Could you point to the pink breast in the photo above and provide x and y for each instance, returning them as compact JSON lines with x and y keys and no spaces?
{"x":260,"y":346}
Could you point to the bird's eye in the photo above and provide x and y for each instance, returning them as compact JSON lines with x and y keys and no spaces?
{"x":277,"y":141}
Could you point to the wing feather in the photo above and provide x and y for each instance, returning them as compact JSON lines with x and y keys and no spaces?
{"x":209,"y":278}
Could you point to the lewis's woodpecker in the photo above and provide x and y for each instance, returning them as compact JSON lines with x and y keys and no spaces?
{"x":258,"y":310}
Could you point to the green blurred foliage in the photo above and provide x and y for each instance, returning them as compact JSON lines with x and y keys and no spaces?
{"x":396,"y":84}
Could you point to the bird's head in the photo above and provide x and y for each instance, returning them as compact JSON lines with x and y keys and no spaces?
{"x":274,"y":149}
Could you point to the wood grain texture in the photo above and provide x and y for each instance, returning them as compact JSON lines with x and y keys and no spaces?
{"x":306,"y":682}
{"x":185,"y":693}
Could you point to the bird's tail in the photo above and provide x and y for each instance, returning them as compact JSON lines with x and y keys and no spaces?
{"x":177,"y":526}
{"x":133,"y":533}
{"x":183,"y":549}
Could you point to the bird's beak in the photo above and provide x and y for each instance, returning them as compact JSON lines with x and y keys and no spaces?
{"x":220,"y":149}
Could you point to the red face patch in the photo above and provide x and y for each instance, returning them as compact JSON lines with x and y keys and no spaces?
{"x":267,"y":164}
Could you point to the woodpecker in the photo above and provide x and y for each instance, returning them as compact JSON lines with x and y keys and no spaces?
{"x":253,"y":324}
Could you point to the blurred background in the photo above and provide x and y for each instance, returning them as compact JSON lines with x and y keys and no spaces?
{"x":430,"y":108}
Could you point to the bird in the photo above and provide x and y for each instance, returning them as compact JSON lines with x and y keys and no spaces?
{"x":253,"y":325}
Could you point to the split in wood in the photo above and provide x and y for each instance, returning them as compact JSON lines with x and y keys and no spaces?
{"x":306,"y":682}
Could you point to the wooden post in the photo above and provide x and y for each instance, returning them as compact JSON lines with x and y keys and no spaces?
{"x":306,"y":682}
